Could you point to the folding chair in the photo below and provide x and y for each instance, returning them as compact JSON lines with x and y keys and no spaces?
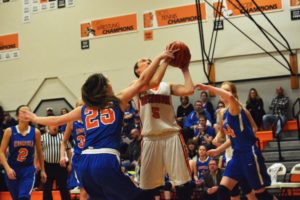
{"x":295,"y":178}
{"x":284,"y":187}
{"x":280,"y":170}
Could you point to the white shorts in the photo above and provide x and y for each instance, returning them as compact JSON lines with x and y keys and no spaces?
{"x":161,"y":156}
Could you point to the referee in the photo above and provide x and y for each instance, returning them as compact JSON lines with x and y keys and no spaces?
{"x":51,"y":148}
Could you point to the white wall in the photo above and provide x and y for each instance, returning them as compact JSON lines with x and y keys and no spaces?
{"x":50,"y":47}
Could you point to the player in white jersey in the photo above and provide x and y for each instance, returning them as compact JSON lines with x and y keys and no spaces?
{"x":163,"y":149}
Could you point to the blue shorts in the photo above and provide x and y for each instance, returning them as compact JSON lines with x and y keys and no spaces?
{"x":23,"y":185}
{"x":249,"y":166}
{"x":74,"y":179}
{"x":102,"y":178}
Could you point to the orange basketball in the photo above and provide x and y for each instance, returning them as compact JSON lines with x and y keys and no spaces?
{"x":182,"y":56}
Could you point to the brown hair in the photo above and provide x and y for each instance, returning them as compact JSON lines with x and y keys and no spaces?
{"x":232,"y":88}
{"x":94,"y":92}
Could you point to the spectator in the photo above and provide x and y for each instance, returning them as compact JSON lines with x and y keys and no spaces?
{"x":128,"y":122}
{"x":192,"y":120}
{"x":212,"y":180}
{"x":132,"y":154}
{"x":42,"y":128}
{"x":200,"y":165}
{"x":217,"y":114}
{"x":203,"y":134}
{"x":51,"y":147}
{"x":191,"y":146}
{"x":207,"y":105}
{"x":8,"y":121}
{"x":279,"y":107}
{"x":220,"y":105}
{"x":49,"y":111}
{"x":255,"y":105}
{"x":62,"y":128}
{"x":183,"y":110}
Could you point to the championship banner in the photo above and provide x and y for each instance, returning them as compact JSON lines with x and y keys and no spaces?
{"x":264,"y":5}
{"x":9,"y":46}
{"x":294,"y":3}
{"x":295,"y":9}
{"x":172,"y":16}
{"x":109,"y":26}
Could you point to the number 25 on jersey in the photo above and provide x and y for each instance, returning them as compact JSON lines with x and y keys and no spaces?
{"x":107,"y":116}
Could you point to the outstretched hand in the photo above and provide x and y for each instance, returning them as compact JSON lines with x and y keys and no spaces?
{"x":212,"y":153}
{"x":200,"y":86}
{"x":26,"y":115}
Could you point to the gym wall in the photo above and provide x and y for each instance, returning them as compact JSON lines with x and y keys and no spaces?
{"x":52,"y":64}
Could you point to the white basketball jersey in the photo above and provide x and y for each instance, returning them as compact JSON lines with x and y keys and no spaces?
{"x":156,"y":111}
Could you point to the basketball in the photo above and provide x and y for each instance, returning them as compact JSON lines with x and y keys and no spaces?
{"x":182,"y":56}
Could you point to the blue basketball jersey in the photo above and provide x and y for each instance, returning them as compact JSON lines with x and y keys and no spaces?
{"x":244,"y":137}
{"x":102,"y":127}
{"x":21,"y":148}
{"x":78,"y":136}
{"x":202,"y":167}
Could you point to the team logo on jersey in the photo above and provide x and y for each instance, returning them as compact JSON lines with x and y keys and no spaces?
{"x":23,"y":143}
{"x":155,"y":98}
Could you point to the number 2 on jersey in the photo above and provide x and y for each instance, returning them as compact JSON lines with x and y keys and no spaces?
{"x":92,"y":120}
{"x":22,"y":154}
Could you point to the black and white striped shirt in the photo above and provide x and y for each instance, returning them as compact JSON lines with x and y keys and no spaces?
{"x":51,"y":147}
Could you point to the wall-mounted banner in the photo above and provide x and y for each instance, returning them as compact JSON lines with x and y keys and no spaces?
{"x":294,"y":3}
{"x":233,"y":8}
{"x":264,"y":5}
{"x":109,"y":26}
{"x":295,"y":12}
{"x":9,"y":46}
{"x":172,"y":16}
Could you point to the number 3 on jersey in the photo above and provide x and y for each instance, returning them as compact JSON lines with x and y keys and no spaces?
{"x":81,"y":141}
{"x":92,"y":120}
{"x":22,"y":154}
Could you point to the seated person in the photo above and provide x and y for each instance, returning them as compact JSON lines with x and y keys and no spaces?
{"x":203,"y":134}
{"x":279,"y":107}
{"x":183,"y":110}
{"x":200,"y":165}
{"x":212,"y":179}
{"x":191,"y":121}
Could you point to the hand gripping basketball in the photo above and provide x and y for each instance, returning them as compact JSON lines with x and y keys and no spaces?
{"x":182,"y":55}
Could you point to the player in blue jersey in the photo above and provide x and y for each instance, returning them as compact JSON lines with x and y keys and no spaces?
{"x":102,"y":115}
{"x":76,"y":131}
{"x":21,"y":140}
{"x":247,"y":162}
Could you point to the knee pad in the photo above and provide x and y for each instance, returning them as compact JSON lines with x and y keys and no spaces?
{"x":245,"y":187}
{"x":235,"y":191}
{"x":223,"y":193}
{"x":265,"y":195}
